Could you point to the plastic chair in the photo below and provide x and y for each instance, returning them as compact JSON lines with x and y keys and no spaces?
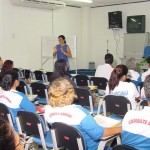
{"x":6,"y":114}
{"x":31,"y":124}
{"x":146,"y":51}
{"x":99,"y":81}
{"x":27,"y":73}
{"x":48,"y":74}
{"x":81,"y":80}
{"x":40,"y":90}
{"x":118,"y":106}
{"x":39,"y":75}
{"x":22,"y":88}
{"x":123,"y":147}
{"x":68,"y":137}
{"x":143,"y":104}
{"x":85,"y":99}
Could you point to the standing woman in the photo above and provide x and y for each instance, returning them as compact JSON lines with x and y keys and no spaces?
{"x":62,"y":50}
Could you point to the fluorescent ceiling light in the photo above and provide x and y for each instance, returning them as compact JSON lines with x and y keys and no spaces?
{"x":83,"y":1}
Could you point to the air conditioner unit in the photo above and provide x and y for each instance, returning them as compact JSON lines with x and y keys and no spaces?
{"x":45,"y":4}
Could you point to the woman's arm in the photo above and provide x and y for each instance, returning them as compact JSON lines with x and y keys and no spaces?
{"x":68,"y":52}
{"x":55,"y":51}
{"x":112,"y":131}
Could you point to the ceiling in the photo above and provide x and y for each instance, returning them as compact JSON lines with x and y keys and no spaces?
{"x":97,"y":3}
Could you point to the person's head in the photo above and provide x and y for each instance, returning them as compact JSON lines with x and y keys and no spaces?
{"x":62,"y":39}
{"x":60,"y":67}
{"x":9,"y":140}
{"x":109,"y":58}
{"x":131,"y":63}
{"x":61,"y":93}
{"x":146,"y":86}
{"x":10,"y":80}
{"x":8,"y":65}
{"x":1,"y":62}
{"x":118,"y":74}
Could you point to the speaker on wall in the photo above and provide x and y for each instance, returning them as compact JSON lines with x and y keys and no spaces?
{"x":115,"y":19}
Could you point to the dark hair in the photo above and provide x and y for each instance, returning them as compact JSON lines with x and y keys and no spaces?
{"x":109,"y":58}
{"x":148,"y":59}
{"x":8,"y":65}
{"x":146,"y":85}
{"x":116,"y":75}
{"x":8,"y":79}
{"x":59,"y":70}
{"x":7,"y":137}
{"x":63,"y":37}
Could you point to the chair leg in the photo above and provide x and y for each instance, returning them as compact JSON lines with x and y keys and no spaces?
{"x":118,"y":140}
{"x":28,"y":143}
{"x":101,"y":145}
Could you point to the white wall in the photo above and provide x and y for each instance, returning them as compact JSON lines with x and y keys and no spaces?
{"x":21,"y":29}
{"x":100,"y":32}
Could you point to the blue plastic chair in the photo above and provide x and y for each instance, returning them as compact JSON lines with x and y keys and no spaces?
{"x":33,"y":125}
{"x":146,"y":51}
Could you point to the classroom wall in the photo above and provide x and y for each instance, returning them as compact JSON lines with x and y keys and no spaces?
{"x":100,"y":32}
{"x":21,"y":29}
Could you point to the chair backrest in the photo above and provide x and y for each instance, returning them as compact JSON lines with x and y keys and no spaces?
{"x":38,"y":89}
{"x":116,"y":104}
{"x":81,"y":80}
{"x":48,"y":75}
{"x":67,"y":136}
{"x":22,"y":87}
{"x":143,"y":104}
{"x":28,"y":123}
{"x":84,"y":99}
{"x":26,"y":73}
{"x":100,"y":82}
{"x":123,"y":147}
{"x":6,"y":114}
{"x":38,"y":75}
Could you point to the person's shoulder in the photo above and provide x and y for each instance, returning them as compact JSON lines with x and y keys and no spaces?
{"x":79,"y":108}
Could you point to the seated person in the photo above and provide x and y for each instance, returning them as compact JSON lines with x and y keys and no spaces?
{"x":60,"y":71}
{"x":134,"y":75}
{"x":15,"y":100}
{"x":8,"y":65}
{"x":136,"y":124}
{"x":9,"y":139}
{"x":105,"y":69}
{"x":118,"y":86}
{"x":62,"y":95}
{"x":145,"y":74}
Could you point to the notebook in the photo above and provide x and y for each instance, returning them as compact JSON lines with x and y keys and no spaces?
{"x":106,"y":122}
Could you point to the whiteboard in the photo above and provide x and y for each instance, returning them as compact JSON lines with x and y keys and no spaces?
{"x":134,"y":44}
{"x":49,"y":42}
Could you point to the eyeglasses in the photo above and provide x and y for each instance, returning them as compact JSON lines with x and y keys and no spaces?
{"x":21,"y":140}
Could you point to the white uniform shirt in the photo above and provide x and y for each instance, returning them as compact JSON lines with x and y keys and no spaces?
{"x":104,"y":71}
{"x":134,"y":75}
{"x":136,"y":129}
{"x":145,"y":74}
{"x":126,"y":89}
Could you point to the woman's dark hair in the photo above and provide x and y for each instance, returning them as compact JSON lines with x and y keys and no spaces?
{"x":63,"y":37}
{"x":109,"y":58}
{"x":8,"y":65}
{"x":7,"y":136}
{"x":60,"y":69}
{"x":8,"y":79}
{"x":116,"y":75}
